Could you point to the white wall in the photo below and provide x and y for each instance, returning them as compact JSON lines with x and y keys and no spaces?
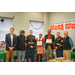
{"x":5,"y":27}
{"x":37,"y":25}
{"x":21,"y":19}
{"x":60,"y":16}
{"x":55,"y":17}
{"x":46,"y":22}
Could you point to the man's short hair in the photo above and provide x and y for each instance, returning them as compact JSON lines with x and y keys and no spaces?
{"x":58,"y":32}
{"x":30,"y":30}
{"x":11,"y":28}
{"x":49,"y":29}
{"x":66,"y":31}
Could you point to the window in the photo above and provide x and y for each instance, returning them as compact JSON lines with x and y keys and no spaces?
{"x":5,"y":27}
{"x":37,"y":27}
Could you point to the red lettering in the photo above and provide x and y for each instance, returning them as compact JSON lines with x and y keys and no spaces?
{"x":73,"y":26}
{"x":56,"y":27}
{"x":52,"y":27}
{"x":68,"y":26}
{"x":61,"y":27}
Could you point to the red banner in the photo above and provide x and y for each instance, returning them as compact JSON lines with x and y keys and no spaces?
{"x":57,"y":27}
{"x":67,"y":26}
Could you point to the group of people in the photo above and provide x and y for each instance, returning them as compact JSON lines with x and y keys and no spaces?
{"x":14,"y":42}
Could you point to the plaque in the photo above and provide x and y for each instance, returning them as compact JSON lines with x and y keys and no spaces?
{"x":48,"y":40}
{"x":39,"y":43}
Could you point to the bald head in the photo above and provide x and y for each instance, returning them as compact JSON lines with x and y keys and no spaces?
{"x":65,"y":34}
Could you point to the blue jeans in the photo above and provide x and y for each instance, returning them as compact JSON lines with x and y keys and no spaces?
{"x":59,"y":53}
{"x":20,"y":56}
{"x":32,"y":55}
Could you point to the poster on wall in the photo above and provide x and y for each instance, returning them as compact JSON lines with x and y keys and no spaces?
{"x":64,"y":26}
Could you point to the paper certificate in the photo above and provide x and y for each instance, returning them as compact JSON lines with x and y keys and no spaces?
{"x":48,"y":40}
{"x":39,"y":42}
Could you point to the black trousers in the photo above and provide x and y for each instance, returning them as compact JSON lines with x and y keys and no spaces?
{"x":40,"y":57}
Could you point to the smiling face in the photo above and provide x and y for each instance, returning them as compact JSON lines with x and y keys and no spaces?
{"x":65,"y":34}
{"x":23,"y":33}
{"x":11,"y":31}
{"x":31,"y":32}
{"x":49,"y":31}
{"x":40,"y":35}
{"x":58,"y":34}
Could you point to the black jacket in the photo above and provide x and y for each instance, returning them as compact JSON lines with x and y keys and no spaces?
{"x":53,"y":40}
{"x":30,"y":38}
{"x":58,"y":42}
{"x":21,"y":43}
{"x":66,"y":44}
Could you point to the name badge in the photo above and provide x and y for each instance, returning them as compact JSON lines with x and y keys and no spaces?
{"x":48,"y":40}
{"x":39,"y":42}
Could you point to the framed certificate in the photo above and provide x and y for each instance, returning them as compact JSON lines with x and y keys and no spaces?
{"x":48,"y":40}
{"x":39,"y":42}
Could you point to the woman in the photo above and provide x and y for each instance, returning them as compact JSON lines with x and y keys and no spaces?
{"x":40,"y":48}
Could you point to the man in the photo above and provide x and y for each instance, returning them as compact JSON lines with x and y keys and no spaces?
{"x":11,"y":42}
{"x":21,"y":46}
{"x":31,"y":42}
{"x":59,"y":45}
{"x":67,"y":46}
{"x":49,"y":46}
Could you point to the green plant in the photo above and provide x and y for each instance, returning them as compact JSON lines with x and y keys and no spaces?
{"x":2,"y":20}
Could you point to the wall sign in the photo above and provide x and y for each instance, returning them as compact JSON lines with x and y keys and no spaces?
{"x":65,"y":25}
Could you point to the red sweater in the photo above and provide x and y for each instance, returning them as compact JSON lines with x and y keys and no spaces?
{"x":49,"y":37}
{"x":41,"y":40}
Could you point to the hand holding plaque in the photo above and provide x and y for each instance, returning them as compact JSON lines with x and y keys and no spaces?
{"x":39,"y":43}
{"x":48,"y":40}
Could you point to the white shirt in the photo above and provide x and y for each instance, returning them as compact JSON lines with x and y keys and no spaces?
{"x":11,"y":40}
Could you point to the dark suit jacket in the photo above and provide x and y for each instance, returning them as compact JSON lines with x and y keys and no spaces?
{"x":59,"y":41}
{"x":8,"y":41}
{"x":53,"y":40}
{"x":29,"y":44}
